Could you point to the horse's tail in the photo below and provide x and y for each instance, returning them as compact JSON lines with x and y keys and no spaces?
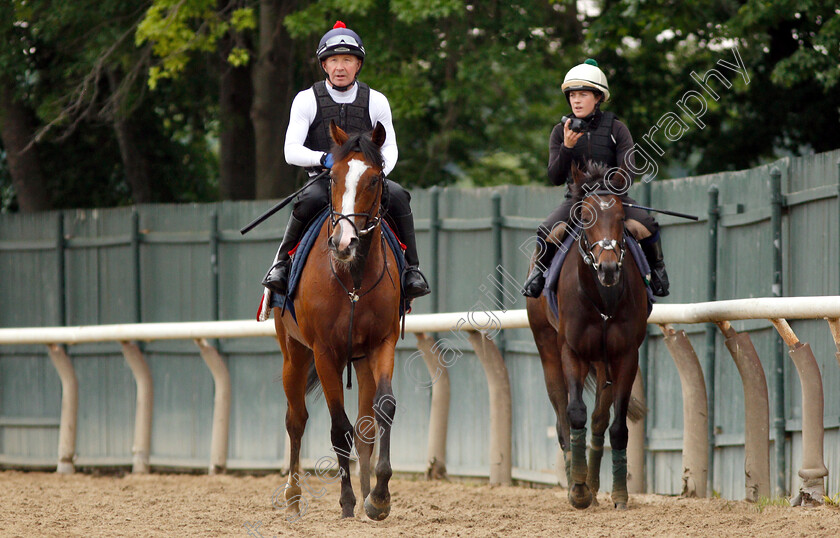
{"x":636,"y":410}
{"x":313,"y":384}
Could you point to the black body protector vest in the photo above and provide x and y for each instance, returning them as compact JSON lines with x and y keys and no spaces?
{"x":352,"y":117}
{"x":597,"y":143}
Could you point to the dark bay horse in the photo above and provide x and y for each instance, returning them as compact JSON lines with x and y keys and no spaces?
{"x":347,"y":307}
{"x":601,"y":324}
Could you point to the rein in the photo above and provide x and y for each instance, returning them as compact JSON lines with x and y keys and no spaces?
{"x":370,"y":224}
{"x":589,"y":258}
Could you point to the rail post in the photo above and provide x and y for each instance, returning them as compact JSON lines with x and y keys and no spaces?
{"x":143,"y":412}
{"x":813,"y":471}
{"x":498,"y":382}
{"x":439,"y":412}
{"x":695,"y":419}
{"x":69,"y":409}
{"x":756,"y":411}
{"x":636,"y":442}
{"x":221,"y":406}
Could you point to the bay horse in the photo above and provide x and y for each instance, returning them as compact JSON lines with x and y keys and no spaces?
{"x":601,"y":322}
{"x":347,"y":307}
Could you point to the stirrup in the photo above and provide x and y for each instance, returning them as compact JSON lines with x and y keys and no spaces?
{"x":534,"y":285}
{"x":277,"y":277}
{"x":419,"y":287}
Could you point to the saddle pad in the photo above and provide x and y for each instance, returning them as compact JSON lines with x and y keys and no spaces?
{"x":301,"y":253}
{"x":552,"y":275}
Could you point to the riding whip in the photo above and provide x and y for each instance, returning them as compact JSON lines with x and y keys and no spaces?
{"x":257,"y":221}
{"x":673,"y":213}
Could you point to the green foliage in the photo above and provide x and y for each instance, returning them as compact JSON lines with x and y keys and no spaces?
{"x":75,"y":71}
{"x":474,"y":87}
{"x":179,"y":29}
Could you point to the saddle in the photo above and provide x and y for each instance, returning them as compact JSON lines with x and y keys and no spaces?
{"x":552,"y":274}
{"x":299,"y":255}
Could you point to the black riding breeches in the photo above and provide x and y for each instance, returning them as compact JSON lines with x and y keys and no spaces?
{"x":316,"y":197}
{"x":563,"y":212}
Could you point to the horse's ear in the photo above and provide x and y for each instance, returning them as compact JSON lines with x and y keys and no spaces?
{"x":337,"y":133}
{"x":578,"y":176}
{"x":378,"y":136}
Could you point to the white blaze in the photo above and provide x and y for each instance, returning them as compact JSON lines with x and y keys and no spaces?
{"x":355,"y":169}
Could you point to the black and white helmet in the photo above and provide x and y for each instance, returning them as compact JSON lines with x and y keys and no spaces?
{"x":340,"y":40}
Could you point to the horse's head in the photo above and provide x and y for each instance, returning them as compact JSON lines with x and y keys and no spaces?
{"x":599,"y":212}
{"x":356,"y":188}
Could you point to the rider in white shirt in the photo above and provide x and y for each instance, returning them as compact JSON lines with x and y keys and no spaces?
{"x":354,"y":107}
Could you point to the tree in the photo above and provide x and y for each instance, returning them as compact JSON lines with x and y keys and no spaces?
{"x":789,"y":49}
{"x":17,"y":122}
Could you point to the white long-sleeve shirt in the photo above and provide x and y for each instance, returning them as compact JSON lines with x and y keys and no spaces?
{"x":304,"y":110}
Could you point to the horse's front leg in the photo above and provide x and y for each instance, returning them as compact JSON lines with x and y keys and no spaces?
{"x":378,"y":502}
{"x":546,"y":338}
{"x":341,"y":432}
{"x":600,"y":421}
{"x":575,"y":371}
{"x":296,"y":361}
{"x":365,"y":423}
{"x":624,"y":372}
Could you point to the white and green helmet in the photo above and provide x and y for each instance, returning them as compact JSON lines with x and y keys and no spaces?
{"x":586,"y":76}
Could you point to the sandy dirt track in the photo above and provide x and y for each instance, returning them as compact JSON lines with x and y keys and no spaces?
{"x":46,"y":504}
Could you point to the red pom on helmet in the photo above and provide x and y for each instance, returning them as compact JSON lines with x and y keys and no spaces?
{"x":339,"y":24}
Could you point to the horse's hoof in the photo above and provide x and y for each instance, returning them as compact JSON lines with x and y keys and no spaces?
{"x":375,"y":511}
{"x":580,"y":496}
{"x":595,"y":500}
{"x":621,"y":506}
{"x":347,"y":512}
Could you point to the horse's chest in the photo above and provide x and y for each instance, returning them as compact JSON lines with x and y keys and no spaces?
{"x":596,"y":341}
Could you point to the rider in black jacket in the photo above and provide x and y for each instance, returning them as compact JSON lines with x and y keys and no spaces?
{"x":604,"y":139}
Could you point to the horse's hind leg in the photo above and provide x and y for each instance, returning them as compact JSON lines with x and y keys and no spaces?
{"x":341,"y":432}
{"x":575,"y":371}
{"x":378,"y":502}
{"x":296,"y":361}
{"x":600,"y":421}
{"x":365,"y":423}
{"x":624,"y":371}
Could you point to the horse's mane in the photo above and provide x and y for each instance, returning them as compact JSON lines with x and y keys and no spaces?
{"x":362,"y":143}
{"x":596,"y":174}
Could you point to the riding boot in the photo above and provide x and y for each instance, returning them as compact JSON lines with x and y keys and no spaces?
{"x":535,"y":282}
{"x":652,"y":247}
{"x":413,"y":282}
{"x":277,"y":278}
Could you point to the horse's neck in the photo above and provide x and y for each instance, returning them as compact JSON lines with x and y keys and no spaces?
{"x":605,"y":299}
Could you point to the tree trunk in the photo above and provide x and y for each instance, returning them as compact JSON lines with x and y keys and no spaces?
{"x":16,"y":131}
{"x":273,"y":93}
{"x":135,"y":164}
{"x":237,"y":152}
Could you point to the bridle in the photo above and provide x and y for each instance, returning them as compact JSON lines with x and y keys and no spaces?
{"x":585,"y":247}
{"x":371,"y":221}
